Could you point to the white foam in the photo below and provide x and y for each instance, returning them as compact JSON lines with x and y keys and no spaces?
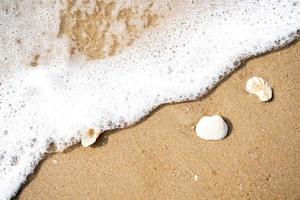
{"x":180,"y":60}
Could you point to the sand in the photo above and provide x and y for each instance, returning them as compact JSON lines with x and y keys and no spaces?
{"x":162,"y":158}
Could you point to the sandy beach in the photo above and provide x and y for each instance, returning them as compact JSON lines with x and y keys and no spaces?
{"x":162,"y":158}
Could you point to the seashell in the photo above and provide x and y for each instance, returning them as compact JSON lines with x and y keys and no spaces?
{"x":212,"y":128}
{"x":260,"y":87}
{"x":89,"y":137}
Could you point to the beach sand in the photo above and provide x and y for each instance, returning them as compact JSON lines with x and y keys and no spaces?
{"x":162,"y":158}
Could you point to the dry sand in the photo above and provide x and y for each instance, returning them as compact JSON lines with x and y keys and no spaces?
{"x":161,"y":157}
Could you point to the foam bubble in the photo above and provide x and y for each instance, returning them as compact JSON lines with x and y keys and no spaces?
{"x":47,"y":96}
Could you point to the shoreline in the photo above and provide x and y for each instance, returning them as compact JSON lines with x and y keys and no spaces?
{"x":161,"y":156}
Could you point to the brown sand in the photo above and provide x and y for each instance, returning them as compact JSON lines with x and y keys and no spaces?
{"x":97,"y":40}
{"x":159,"y":157}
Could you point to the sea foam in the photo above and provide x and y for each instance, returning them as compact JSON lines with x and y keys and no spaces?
{"x":48,"y":98}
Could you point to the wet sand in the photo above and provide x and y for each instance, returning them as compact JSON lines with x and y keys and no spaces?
{"x":161,"y":157}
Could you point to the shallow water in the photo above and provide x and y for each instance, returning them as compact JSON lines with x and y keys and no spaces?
{"x":49,"y":95}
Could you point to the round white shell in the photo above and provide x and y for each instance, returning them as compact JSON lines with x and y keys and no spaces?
{"x":212,"y":128}
{"x":260,"y":87}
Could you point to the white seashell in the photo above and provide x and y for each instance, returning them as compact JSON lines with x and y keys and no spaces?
{"x":89,"y":137}
{"x":196,"y":177}
{"x":212,"y":128}
{"x":260,"y":87}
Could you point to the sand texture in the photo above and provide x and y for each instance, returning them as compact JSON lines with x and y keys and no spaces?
{"x":162,"y":158}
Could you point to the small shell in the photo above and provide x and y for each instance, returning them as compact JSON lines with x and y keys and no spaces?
{"x":212,"y":128}
{"x":260,"y":87}
{"x":89,"y":137}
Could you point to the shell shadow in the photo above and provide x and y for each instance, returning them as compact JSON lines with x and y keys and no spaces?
{"x":229,"y":125}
